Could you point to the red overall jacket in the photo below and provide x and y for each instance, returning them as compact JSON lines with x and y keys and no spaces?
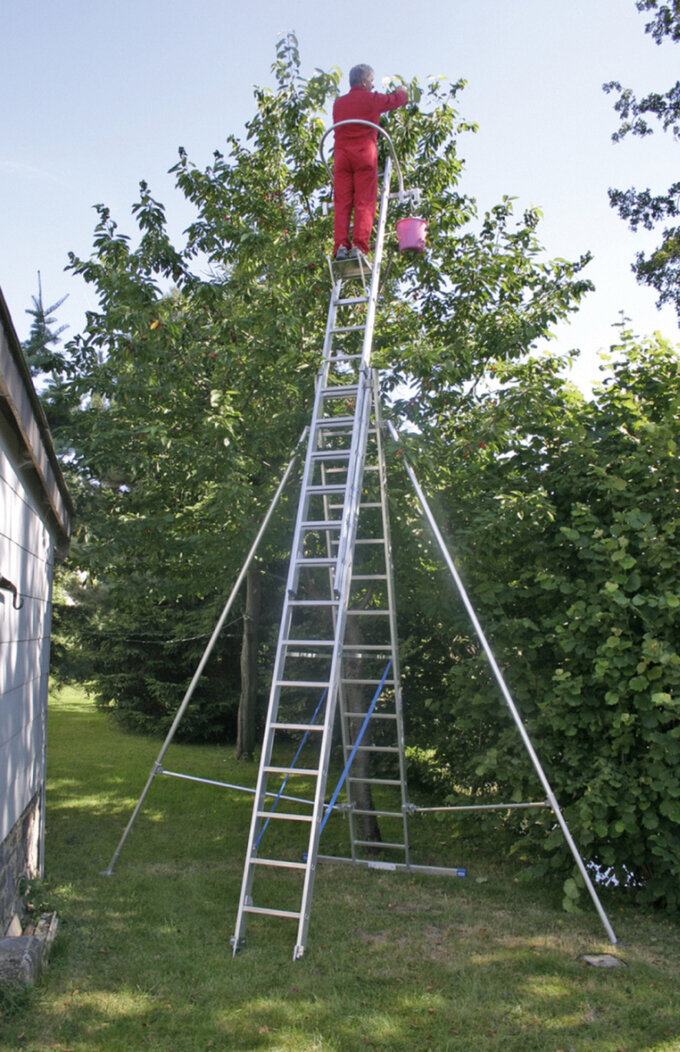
{"x":355,"y":177}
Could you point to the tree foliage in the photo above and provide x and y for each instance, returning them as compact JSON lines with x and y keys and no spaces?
{"x":194,"y":378}
{"x":645,"y":208}
{"x":189,"y":388}
{"x":563,"y":515}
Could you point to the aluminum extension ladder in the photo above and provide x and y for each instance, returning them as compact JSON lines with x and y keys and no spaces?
{"x":337,"y":645}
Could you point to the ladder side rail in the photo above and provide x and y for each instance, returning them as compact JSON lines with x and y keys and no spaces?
{"x":358,"y":438}
{"x":157,"y":767}
{"x":256,"y":822}
{"x":392,"y":607}
{"x":422,"y":500}
{"x":344,"y":564}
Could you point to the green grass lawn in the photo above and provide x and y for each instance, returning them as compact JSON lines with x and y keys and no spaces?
{"x":394,"y":961}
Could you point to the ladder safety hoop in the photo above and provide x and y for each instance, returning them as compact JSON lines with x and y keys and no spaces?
{"x":370,"y":124}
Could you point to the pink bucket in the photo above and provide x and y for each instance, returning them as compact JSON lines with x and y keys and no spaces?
{"x":411,"y":234}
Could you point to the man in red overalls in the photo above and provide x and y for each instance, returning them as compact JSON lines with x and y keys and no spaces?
{"x":356,"y":160}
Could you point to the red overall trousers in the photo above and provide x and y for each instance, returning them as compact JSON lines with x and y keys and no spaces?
{"x":355,"y":177}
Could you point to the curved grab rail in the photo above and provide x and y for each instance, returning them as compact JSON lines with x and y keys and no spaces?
{"x":382,"y":131}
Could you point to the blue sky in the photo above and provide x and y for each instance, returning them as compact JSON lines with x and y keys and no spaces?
{"x":98,"y":95}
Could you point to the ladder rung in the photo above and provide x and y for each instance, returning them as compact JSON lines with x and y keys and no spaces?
{"x":368,"y":647}
{"x":325,"y":491}
{"x":377,"y":748}
{"x":296,"y":726}
{"x":313,"y":602}
{"x":379,"y":814}
{"x":339,"y":390}
{"x":321,"y":524}
{"x":331,"y":454}
{"x":369,"y":576}
{"x":374,"y":715}
{"x":272,"y":912}
{"x":379,"y":844}
{"x":348,"y":328}
{"x":375,"y":781}
{"x":329,"y":422}
{"x":369,"y":613}
{"x":371,"y":504}
{"x":351,"y":300}
{"x":285,"y":816}
{"x":344,"y":357}
{"x":369,"y":683}
{"x":307,"y":772}
{"x":370,"y":540}
{"x":278,"y":863}
{"x":317,"y":684}
{"x":316,"y":561}
{"x":308,"y":643}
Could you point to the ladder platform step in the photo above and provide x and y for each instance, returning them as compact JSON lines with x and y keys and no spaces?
{"x":272,"y":912}
{"x":278,"y":863}
{"x":285,"y":816}
{"x":306,"y":772}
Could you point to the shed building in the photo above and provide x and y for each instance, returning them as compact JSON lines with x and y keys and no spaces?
{"x":35,"y":517}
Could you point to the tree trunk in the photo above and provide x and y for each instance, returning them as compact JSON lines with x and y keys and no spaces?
{"x":245,"y":740}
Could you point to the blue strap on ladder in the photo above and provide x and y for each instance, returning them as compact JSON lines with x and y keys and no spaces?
{"x":341,"y":781}
{"x":295,"y":758}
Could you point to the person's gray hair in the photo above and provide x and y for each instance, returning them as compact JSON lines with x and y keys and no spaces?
{"x":358,"y":74}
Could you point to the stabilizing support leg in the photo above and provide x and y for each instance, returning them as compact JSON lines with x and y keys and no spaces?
{"x":158,"y":765}
{"x":506,"y":693}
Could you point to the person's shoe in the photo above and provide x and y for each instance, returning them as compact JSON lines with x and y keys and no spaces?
{"x":342,"y":253}
{"x":355,"y":253}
